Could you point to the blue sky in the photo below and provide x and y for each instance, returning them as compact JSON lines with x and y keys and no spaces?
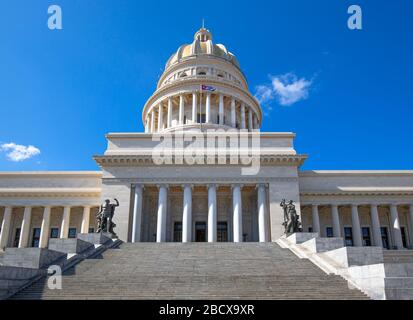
{"x":61,"y":91}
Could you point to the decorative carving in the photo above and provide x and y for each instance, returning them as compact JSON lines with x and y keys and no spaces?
{"x":105,"y":216}
{"x":291,"y":222}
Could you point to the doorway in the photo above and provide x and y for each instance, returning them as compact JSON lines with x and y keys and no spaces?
{"x":200,"y":231}
{"x":222,"y":232}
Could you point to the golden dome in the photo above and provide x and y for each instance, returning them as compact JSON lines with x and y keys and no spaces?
{"x":202,"y":45}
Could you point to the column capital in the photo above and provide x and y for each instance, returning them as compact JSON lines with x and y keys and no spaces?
{"x":211,"y":185}
{"x":188,"y":185}
{"x":235,"y":185}
{"x":138,"y":185}
{"x":261,"y":185}
{"x":162,"y":185}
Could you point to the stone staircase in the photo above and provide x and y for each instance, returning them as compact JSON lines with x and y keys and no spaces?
{"x":195,"y":271}
{"x":398,"y":256}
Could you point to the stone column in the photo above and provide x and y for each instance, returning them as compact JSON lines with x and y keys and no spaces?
{"x":375,"y":224}
{"x":5,"y":228}
{"x":162,"y":211}
{"x":212,"y":213}
{"x":181,"y":109}
{"x":237,"y":217}
{"x":25,"y":228}
{"x":208,"y":108}
{"x":355,"y":220}
{"x":194,"y":107}
{"x":160,"y":117}
{"x":152,"y":121}
{"x":243,"y":125}
{"x":64,"y":229}
{"x":85,"y":220}
{"x":395,"y":224}
{"x":137,"y":213}
{"x":146,"y":125}
{"x":316,"y":219}
{"x":336,"y":221}
{"x":233,"y":114}
{"x":45,"y":231}
{"x":255,"y":121}
{"x":262,"y":214}
{"x":187,"y":214}
{"x":169,"y":120}
{"x":221,"y":109}
{"x":250,"y":123}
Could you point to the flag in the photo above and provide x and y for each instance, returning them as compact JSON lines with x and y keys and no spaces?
{"x":207,"y":88}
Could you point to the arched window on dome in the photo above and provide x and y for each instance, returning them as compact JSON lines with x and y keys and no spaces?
{"x":201,"y":73}
{"x":183,"y":75}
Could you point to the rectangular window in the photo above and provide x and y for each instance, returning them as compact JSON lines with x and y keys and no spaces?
{"x":222,"y":231}
{"x":310,"y":229}
{"x":17,"y":238}
{"x":36,"y":237}
{"x":365,"y":232}
{"x":404,"y":238}
{"x":348,"y":236}
{"x":54,"y":233}
{"x":72,"y":233}
{"x":91,"y":230}
{"x":201,"y":118}
{"x":329,"y":232}
{"x":178,"y":231}
{"x":385,"y":237}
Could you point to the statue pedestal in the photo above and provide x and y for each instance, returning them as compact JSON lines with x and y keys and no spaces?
{"x":33,"y":258}
{"x":300,"y":237}
{"x":95,"y":238}
{"x":69,"y":245}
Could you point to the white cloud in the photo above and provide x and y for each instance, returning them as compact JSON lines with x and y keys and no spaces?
{"x":17,"y":152}
{"x":287,"y":89}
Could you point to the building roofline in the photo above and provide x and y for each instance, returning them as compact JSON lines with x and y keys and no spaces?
{"x":127,"y":135}
{"x":350,"y":173}
{"x":51,"y":173}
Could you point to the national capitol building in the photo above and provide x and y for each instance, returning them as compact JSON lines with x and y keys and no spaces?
{"x":357,"y":225}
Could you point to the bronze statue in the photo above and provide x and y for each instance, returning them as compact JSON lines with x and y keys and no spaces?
{"x":105,"y":216}
{"x":291,"y":222}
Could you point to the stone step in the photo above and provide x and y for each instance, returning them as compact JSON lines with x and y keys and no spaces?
{"x":195,"y":271}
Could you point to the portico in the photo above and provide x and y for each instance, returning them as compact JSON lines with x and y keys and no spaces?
{"x":206,"y":213}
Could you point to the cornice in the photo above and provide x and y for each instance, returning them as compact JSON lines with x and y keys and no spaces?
{"x":143,"y":135}
{"x":49,"y":174}
{"x":355,"y":173}
{"x":199,"y":181}
{"x":147,"y":160}
{"x":358,"y":193}
{"x":50,"y":192}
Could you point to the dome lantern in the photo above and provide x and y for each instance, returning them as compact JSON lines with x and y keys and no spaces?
{"x":203,"y":35}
